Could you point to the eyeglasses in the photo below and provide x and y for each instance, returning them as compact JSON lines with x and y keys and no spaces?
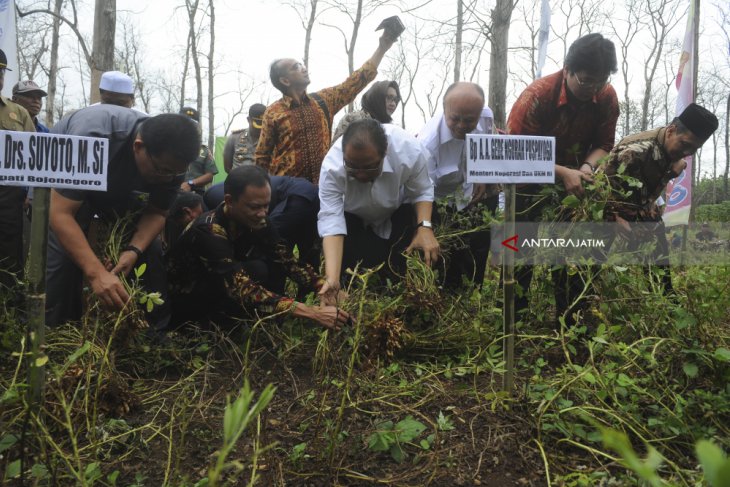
{"x":392,"y":99}
{"x":596,"y":85}
{"x":162,"y":171}
{"x":365,"y":170}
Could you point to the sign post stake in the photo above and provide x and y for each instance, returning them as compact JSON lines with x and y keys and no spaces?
{"x":508,"y":283}
{"x":36,"y":299}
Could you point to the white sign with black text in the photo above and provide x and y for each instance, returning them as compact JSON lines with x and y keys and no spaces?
{"x":510,"y":159}
{"x":53,"y":160}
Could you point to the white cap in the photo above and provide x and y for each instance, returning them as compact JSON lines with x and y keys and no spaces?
{"x":117,"y":82}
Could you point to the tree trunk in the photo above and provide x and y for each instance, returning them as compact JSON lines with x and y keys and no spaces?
{"x":211,"y":70}
{"x":725,"y":193}
{"x":53,"y":68}
{"x":102,"y":53}
{"x":458,"y":41}
{"x":501,"y":15}
{"x":308,"y":30}
{"x":192,"y":8}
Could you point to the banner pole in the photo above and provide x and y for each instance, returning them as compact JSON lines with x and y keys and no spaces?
{"x":508,"y":283}
{"x":36,"y":299}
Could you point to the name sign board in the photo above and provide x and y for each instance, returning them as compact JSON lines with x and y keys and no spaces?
{"x":53,"y":160}
{"x":510,"y":159}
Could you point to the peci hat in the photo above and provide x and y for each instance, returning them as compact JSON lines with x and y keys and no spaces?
{"x":256,"y":112}
{"x":27,"y":87}
{"x":190,"y":112}
{"x":699,"y":120}
{"x":4,"y":61}
{"x":117,"y":82}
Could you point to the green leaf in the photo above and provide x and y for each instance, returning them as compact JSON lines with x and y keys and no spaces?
{"x":425,"y":444}
{"x":112,"y":477}
{"x":39,"y":471}
{"x":41,"y":360}
{"x":150,"y":305}
{"x":571,"y":201}
{"x":78,"y":353}
{"x":409,"y":428}
{"x":92,"y":472}
{"x":722,"y":354}
{"x":380,"y":441}
{"x":140,"y":270}
{"x":7,"y":441}
{"x":714,"y":463}
{"x":397,"y":453}
{"x":690,"y":369}
{"x":13,"y":470}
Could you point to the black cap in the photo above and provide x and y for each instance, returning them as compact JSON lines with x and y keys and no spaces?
{"x":699,"y":120}
{"x":190,"y":112}
{"x":4,"y":61}
{"x":256,"y":110}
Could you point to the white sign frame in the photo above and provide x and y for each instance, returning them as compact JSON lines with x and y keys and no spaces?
{"x":53,"y":160}
{"x":510,"y":159}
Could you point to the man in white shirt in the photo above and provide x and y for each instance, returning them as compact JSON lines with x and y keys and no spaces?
{"x":375,"y":196}
{"x":444,"y":137}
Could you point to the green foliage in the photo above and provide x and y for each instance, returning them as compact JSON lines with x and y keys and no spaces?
{"x":713,"y":213}
{"x":390,"y":437}
{"x":714,"y":462}
{"x":237,"y":417}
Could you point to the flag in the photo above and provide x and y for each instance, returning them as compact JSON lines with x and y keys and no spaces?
{"x":542,"y":37}
{"x":679,"y":190}
{"x":9,"y":43}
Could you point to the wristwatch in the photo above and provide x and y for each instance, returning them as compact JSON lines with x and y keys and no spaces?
{"x":191,"y":183}
{"x":425,"y":224}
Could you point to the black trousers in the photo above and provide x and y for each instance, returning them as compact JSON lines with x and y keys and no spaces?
{"x":363,"y":246}
{"x":11,"y":235}
{"x":469,"y":261}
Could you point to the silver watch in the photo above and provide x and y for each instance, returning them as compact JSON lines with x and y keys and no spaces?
{"x":426,"y":224}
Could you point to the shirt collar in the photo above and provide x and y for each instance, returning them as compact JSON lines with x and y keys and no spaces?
{"x":445,"y":134}
{"x":290,"y":102}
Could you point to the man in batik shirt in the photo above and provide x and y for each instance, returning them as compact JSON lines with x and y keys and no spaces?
{"x":230,"y":263}
{"x":579,"y":107}
{"x":297,"y":129}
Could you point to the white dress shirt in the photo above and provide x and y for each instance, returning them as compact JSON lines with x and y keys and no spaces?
{"x":404,"y":180}
{"x":447,"y":157}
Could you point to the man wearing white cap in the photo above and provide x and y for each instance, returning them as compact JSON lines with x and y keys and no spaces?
{"x":30,"y":96}
{"x":116,"y":88}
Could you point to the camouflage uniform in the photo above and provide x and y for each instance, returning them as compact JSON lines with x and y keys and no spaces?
{"x":16,"y":118}
{"x":646,"y":160}
{"x":243,"y":154}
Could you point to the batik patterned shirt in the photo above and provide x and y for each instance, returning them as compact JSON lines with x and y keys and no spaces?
{"x":546,"y":108}
{"x":295,"y":137}
{"x":206,"y":272}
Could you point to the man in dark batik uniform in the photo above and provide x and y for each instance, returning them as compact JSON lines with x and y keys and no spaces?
{"x":654,"y":158}
{"x":230,"y":262}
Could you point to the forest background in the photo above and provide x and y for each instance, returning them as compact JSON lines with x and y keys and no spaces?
{"x":214,"y":55}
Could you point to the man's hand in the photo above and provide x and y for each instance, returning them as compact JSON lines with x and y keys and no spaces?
{"x":425,"y":240}
{"x":126,"y":262}
{"x":185,"y":187}
{"x":331,"y":294}
{"x":109,"y":289}
{"x":478,"y":193}
{"x":624,"y":228}
{"x":573,"y":181}
{"x":330,"y":317}
{"x":385,"y":42}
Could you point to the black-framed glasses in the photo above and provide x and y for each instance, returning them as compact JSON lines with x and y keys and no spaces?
{"x":392,"y":99}
{"x":596,"y":85}
{"x":160,"y":170}
{"x":365,"y":170}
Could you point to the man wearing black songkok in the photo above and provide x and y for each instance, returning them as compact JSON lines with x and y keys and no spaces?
{"x":653,"y":157}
